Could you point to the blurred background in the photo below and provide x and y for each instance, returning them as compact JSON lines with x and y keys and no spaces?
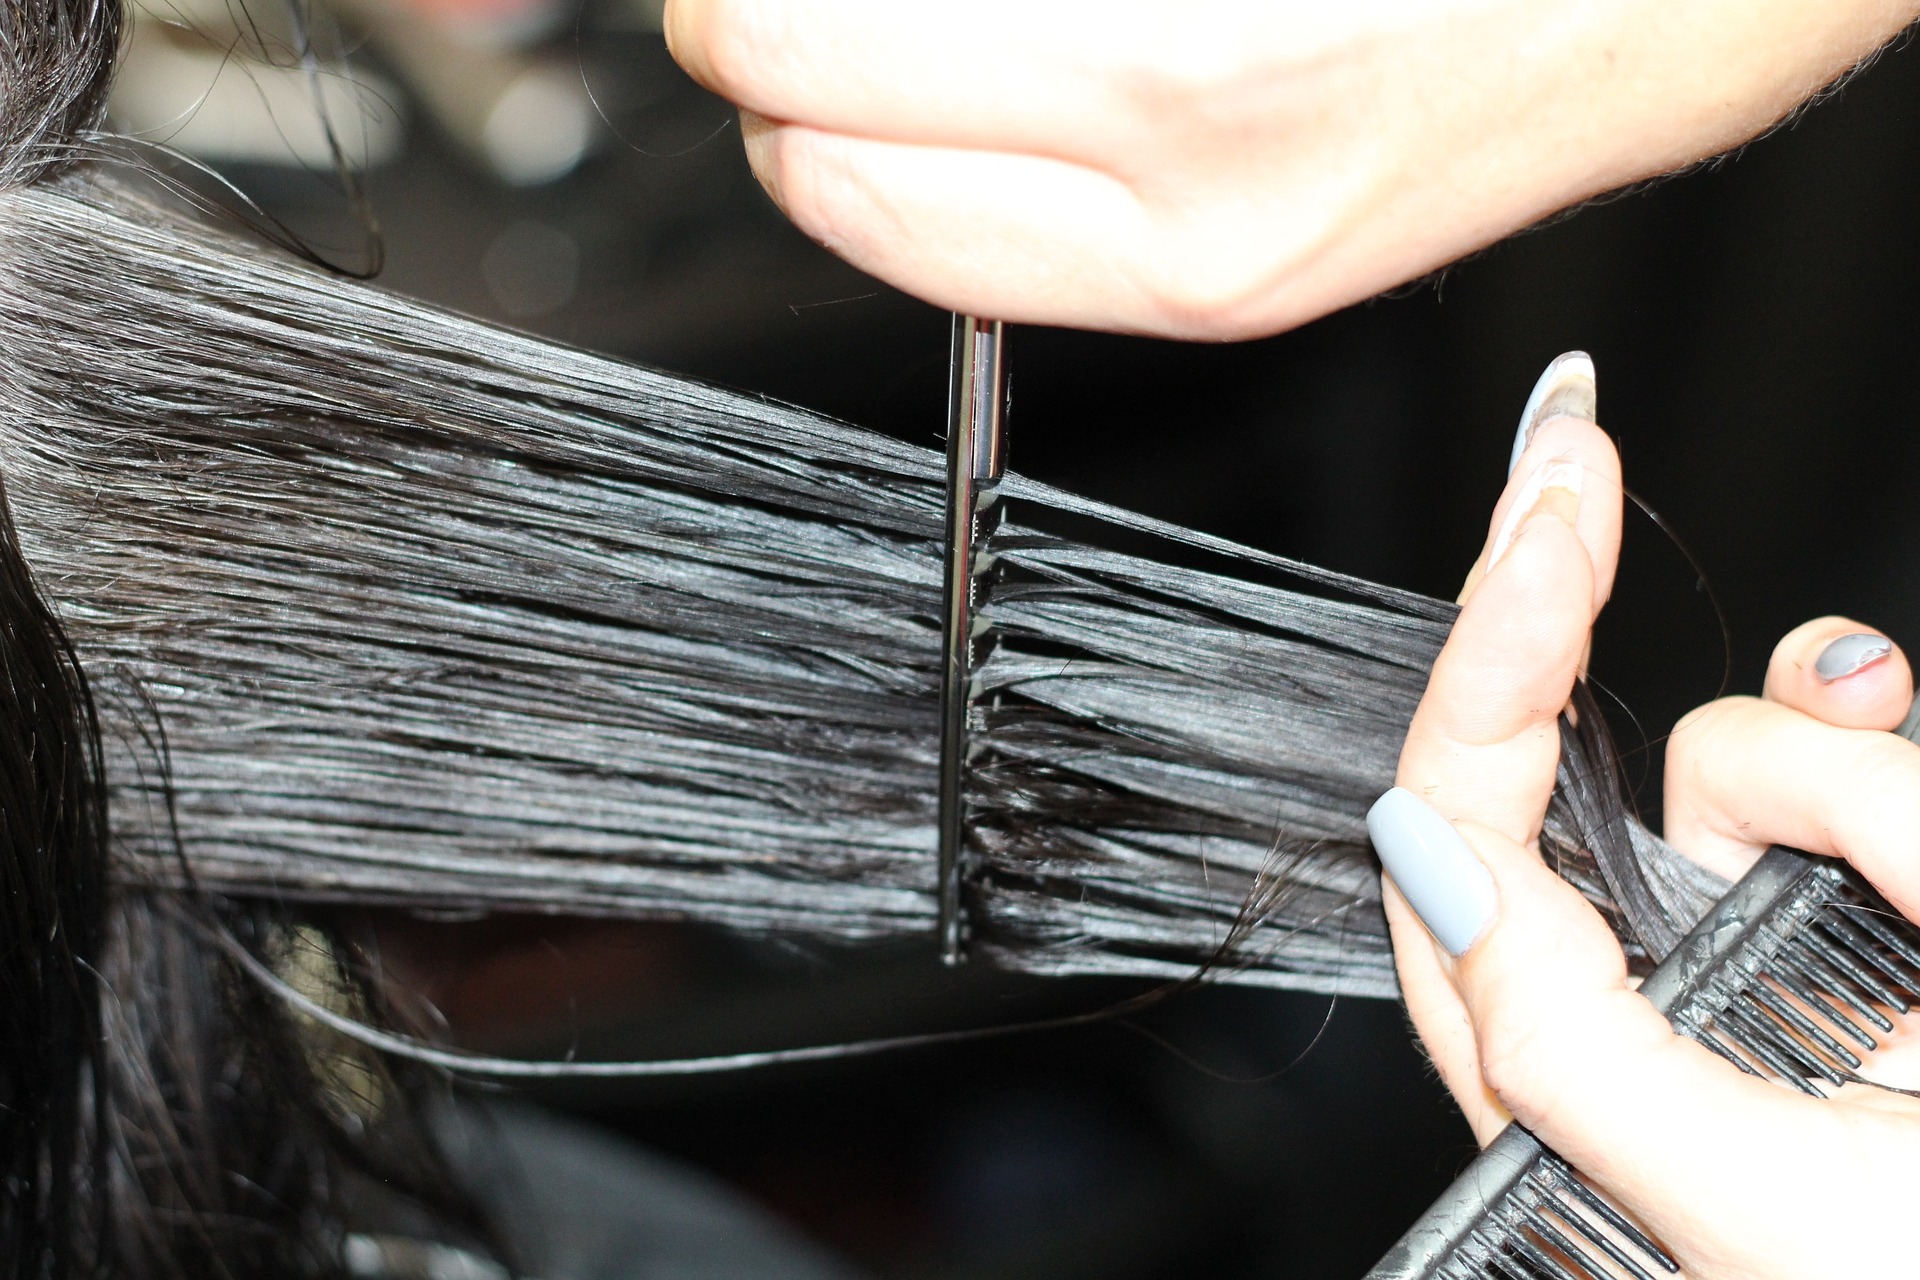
{"x":545,"y":165}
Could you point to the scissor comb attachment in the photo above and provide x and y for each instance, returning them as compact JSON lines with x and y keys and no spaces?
{"x":1794,"y":977}
{"x":976,"y":460}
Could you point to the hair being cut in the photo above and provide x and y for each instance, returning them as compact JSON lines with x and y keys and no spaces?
{"x":315,"y":596}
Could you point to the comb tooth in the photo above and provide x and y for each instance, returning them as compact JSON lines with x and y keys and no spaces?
{"x":1611,"y":1248}
{"x":1821,"y":989}
{"x":1801,"y":1023}
{"x":1869,"y":919}
{"x":1618,"y":1221}
{"x":1807,"y":976}
{"x":1589,"y":1268}
{"x":1793,"y":977}
{"x":1860,"y":945}
{"x":1783,"y":1042}
{"x":1841,"y":961}
{"x":1598,"y":1238}
{"x":1755,"y":1041}
{"x":1543,"y":1264}
{"x":1500,"y":1256}
{"x":1706,"y":1039}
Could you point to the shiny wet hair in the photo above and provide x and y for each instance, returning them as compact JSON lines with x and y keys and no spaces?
{"x":317,"y":597}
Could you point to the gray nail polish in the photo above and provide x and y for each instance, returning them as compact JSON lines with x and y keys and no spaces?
{"x":1567,"y":389}
{"x":1849,"y":654}
{"x":1436,"y":871}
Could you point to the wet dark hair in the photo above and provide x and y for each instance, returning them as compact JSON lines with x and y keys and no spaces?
{"x":317,"y":597}
{"x":160,"y":1114}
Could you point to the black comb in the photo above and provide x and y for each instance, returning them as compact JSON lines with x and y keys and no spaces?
{"x":1791,"y":978}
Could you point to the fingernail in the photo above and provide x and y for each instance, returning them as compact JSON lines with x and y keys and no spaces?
{"x":1566,"y":390}
{"x":1849,"y":654}
{"x":1538,"y":496}
{"x":1446,"y":885}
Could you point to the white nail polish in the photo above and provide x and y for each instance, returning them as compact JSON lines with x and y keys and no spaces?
{"x":1561,"y":473}
{"x":1567,"y":389}
{"x":1433,"y":866}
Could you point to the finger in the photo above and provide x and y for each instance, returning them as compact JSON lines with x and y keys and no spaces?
{"x":1565,"y":436}
{"x":911,"y":71}
{"x":1127,"y":170}
{"x":1558,"y":1026}
{"x":1843,"y":673}
{"x":1045,"y":240}
{"x":1743,"y":774}
{"x":1485,"y":740}
{"x":936,"y":221}
{"x":893,"y":71}
{"x":1484,"y":744}
{"x":1043,"y":76}
{"x":1440,"y":1016}
{"x":1593,"y":1069}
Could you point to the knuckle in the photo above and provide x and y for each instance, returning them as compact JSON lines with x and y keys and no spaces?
{"x":1209,"y":70}
{"x":1202,"y":284}
{"x":1208,"y":259}
{"x":1181,"y":74}
{"x":731,"y":40}
{"x":1881,"y":800}
{"x":1508,"y":1039}
{"x":1222,"y":255}
{"x":821,"y":190}
{"x":789,"y":167}
{"x":1698,"y":735}
{"x":1508,"y":1052}
{"x":1201,"y":304}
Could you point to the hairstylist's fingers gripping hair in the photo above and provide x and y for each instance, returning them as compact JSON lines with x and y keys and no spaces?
{"x":1684,"y":1141}
{"x":1515,"y":982}
{"x":1484,"y":745}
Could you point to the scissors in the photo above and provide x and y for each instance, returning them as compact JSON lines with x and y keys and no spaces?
{"x":976,"y":460}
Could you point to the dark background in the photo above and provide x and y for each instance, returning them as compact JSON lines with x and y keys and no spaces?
{"x":1752,"y":326}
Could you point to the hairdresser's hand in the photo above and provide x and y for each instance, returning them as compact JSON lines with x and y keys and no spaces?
{"x":1530,"y":1011}
{"x":1228,"y":168}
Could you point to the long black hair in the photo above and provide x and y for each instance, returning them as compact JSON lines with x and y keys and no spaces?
{"x":317,"y":597}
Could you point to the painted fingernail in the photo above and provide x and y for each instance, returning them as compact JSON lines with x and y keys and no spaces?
{"x":1566,"y":390}
{"x":1554,"y":488}
{"x":1849,"y":654}
{"x":1446,"y":885}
